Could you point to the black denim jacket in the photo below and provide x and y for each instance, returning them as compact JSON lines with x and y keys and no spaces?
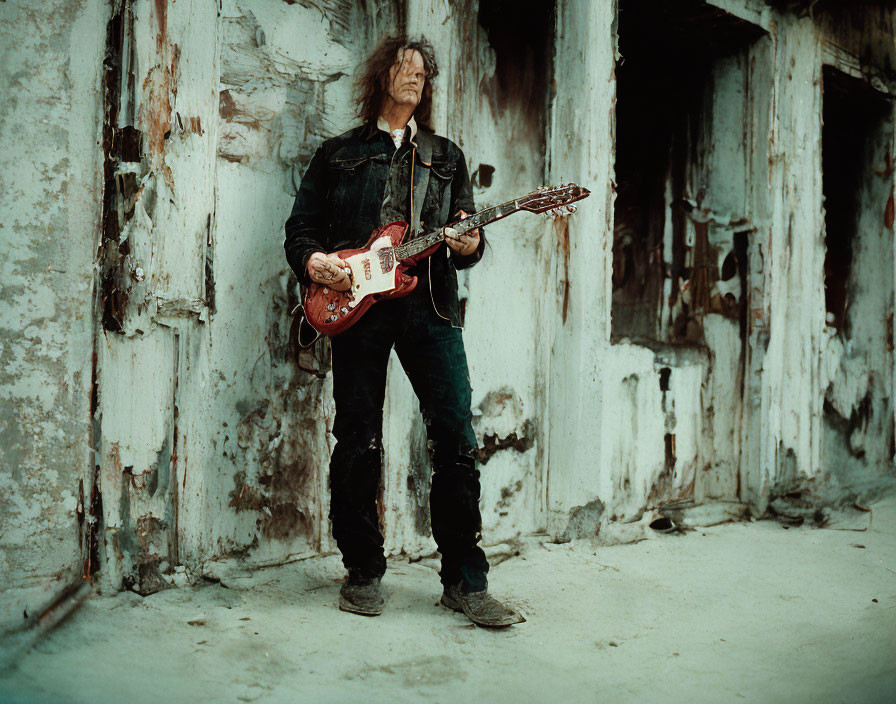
{"x":339,"y":201}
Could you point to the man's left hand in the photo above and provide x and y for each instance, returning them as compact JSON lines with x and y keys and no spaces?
{"x":464,"y":244}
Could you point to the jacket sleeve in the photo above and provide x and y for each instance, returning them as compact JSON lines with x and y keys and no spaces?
{"x":307,"y":224}
{"x":462,"y":199}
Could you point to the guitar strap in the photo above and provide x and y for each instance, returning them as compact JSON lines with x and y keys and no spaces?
{"x":310,"y":350}
{"x":420,"y":180}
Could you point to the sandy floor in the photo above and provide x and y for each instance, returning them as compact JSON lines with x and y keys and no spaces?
{"x":738,"y":611}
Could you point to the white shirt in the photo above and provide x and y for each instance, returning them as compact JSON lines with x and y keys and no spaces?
{"x":397,"y":135}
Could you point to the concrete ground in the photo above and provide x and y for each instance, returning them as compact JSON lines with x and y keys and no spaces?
{"x":746,"y":611}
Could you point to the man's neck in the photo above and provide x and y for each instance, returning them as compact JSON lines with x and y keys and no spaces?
{"x":397,"y":115}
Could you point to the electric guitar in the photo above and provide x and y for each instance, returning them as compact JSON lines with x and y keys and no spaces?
{"x":379,"y":269}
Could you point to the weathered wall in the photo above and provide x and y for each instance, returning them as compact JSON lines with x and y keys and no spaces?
{"x":791,"y":335}
{"x":186,"y":131}
{"x":213,"y":446}
{"x":742,"y":409}
{"x":286,"y":71}
{"x":575,"y":342}
{"x":160,"y":106}
{"x":786,"y":319}
{"x":50,"y":125}
{"x":637,"y":422}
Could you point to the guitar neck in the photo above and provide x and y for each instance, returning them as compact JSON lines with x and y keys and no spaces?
{"x":483,"y":217}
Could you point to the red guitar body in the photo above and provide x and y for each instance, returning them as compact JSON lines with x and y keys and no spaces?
{"x":332,"y":312}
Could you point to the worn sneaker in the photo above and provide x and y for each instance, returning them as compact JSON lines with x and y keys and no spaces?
{"x":480,"y":607}
{"x":360,"y":595}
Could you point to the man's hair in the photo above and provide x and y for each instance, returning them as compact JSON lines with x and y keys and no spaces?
{"x":373,"y":84}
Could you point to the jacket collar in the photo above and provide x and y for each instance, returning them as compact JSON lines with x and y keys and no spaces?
{"x":382,"y":125}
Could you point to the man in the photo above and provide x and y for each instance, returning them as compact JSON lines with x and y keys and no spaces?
{"x":394,"y":168}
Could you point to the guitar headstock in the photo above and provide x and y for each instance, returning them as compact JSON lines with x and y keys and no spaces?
{"x":553,"y":197}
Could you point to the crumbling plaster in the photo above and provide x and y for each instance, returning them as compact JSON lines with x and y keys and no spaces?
{"x":50,"y":119}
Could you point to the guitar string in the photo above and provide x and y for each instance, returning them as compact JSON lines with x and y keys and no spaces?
{"x":424,"y":242}
{"x":419,"y":244}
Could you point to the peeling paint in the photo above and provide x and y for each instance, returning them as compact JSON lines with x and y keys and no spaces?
{"x":584,"y":521}
{"x":521,"y":442}
{"x":52,"y":164}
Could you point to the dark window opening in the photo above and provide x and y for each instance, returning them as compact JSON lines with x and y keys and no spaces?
{"x":674,"y":128}
{"x":521,"y":33}
{"x":853,"y":114}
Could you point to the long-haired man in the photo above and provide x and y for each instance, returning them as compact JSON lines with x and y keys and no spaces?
{"x":355,"y":183}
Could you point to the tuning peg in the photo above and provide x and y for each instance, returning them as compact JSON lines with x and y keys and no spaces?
{"x":562,"y":211}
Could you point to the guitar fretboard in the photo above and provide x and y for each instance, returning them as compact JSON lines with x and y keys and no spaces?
{"x":483,"y":217}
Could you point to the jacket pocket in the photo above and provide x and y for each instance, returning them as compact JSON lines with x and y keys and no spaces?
{"x":439,"y":195}
{"x":443,"y":171}
{"x":344,"y":177}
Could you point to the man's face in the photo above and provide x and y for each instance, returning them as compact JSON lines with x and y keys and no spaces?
{"x":406,"y":78}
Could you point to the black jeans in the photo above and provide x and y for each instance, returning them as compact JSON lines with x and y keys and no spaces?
{"x":432,"y":354}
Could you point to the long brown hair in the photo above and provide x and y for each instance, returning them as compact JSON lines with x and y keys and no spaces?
{"x":373,"y":84}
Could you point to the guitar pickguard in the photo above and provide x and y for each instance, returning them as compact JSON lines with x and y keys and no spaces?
{"x":373,"y":271}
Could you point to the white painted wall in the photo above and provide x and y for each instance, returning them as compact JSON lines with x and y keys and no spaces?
{"x":50,"y":181}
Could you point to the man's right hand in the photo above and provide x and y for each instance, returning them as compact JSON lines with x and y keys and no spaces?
{"x":329,"y":270}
